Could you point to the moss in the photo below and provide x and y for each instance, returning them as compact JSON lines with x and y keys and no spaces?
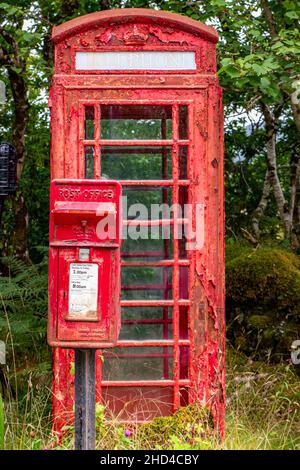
{"x":235,"y":249}
{"x":263,"y":299}
{"x":267,"y":277}
{"x":187,"y":424}
{"x":269,"y":338}
{"x":259,"y":321}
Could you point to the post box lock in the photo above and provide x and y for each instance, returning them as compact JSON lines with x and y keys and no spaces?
{"x":84,"y":263}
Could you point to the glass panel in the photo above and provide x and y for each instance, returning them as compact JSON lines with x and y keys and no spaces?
{"x":184,"y":362}
{"x":141,"y":323}
{"x":138,"y":363}
{"x":183,"y":228}
{"x":150,"y":248}
{"x":147,"y":248}
{"x":89,"y":127}
{"x":136,"y":122}
{"x":183,"y":195}
{"x":147,"y":203}
{"x":183,"y":322}
{"x":136,"y":163}
{"x":89,"y":162}
{"x":140,"y":332}
{"x":183,"y":162}
{"x":184,"y":282}
{"x":184,"y":396}
{"x":147,"y":282}
{"x":153,"y":249}
{"x":183,"y":122}
{"x":138,"y":403}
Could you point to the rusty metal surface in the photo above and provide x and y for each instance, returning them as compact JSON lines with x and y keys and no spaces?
{"x":197,"y":345}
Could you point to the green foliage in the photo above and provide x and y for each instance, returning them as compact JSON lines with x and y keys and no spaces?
{"x":197,"y":444}
{"x":23,"y":307}
{"x":265,"y":58}
{"x":188,"y":428}
{"x":235,"y":249}
{"x":29,"y":427}
{"x":245,"y":169}
{"x":35,"y":183}
{"x":255,"y":67}
{"x":263,"y":403}
{"x":263,"y":300}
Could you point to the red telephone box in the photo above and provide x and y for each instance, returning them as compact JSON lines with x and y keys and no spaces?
{"x":135,"y":98}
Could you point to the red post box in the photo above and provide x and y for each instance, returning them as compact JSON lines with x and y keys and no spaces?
{"x":84,"y":265}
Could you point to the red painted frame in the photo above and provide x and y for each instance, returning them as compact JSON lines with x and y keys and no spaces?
{"x":202,"y":377}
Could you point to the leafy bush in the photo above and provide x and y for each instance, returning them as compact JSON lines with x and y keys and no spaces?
{"x":23,"y":320}
{"x":23,"y":303}
{"x":189,"y":427}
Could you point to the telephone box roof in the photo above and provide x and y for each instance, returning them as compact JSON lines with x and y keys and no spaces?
{"x":132,"y":15}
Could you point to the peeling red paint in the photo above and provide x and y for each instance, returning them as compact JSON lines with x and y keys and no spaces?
{"x":199,"y":369}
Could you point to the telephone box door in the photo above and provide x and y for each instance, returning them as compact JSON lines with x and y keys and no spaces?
{"x":147,"y":141}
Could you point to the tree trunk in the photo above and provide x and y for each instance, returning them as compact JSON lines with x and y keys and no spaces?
{"x":260,"y":210}
{"x":281,"y":203}
{"x":295,"y":179}
{"x":10,"y":57}
{"x":19,"y":91}
{"x":295,"y":210}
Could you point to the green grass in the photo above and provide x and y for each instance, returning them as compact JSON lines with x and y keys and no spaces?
{"x":263,"y":412}
{"x":263,"y":409}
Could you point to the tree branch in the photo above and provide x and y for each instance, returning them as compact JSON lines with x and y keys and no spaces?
{"x":12,"y":58}
{"x":248,"y":236}
{"x":269,"y":17}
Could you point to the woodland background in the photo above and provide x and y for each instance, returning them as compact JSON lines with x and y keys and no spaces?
{"x":259,"y":70}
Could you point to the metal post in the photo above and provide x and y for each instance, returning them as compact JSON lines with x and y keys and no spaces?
{"x":1,"y":207}
{"x":85,"y":397}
